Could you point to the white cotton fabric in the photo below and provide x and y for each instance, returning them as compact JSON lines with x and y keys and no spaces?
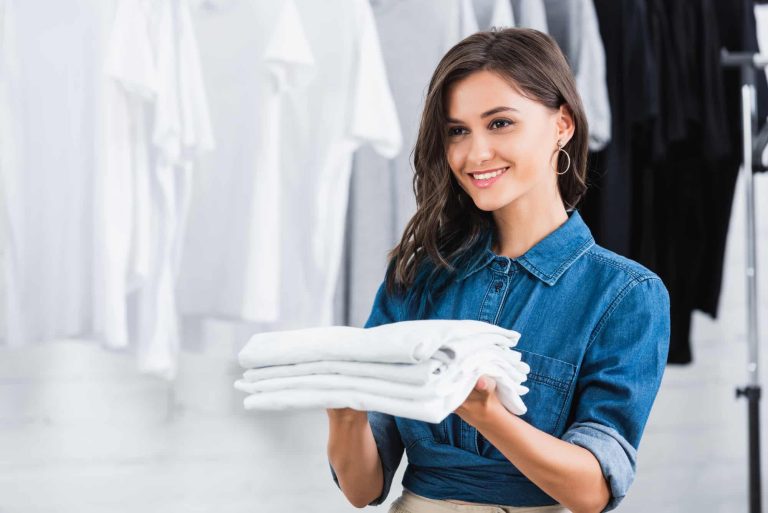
{"x":157,"y":125}
{"x":444,"y":366}
{"x":415,"y":374}
{"x":52,"y":54}
{"x":383,"y":387}
{"x":439,"y":384}
{"x":430,"y":405}
{"x":491,"y":13}
{"x":530,"y":14}
{"x":9,"y":144}
{"x":304,"y":86}
{"x":417,"y":369}
{"x":465,"y":19}
{"x":399,"y":342}
{"x":123,"y":192}
{"x":575,"y":27}
{"x":503,"y":16}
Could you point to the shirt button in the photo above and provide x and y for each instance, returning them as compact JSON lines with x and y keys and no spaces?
{"x":497,"y":286}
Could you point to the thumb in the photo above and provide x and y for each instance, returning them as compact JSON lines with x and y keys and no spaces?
{"x":486,"y":384}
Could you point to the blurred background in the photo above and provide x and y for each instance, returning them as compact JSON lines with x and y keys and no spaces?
{"x":180,"y":174}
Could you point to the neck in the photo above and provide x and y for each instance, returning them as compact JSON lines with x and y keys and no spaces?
{"x":520,"y":227}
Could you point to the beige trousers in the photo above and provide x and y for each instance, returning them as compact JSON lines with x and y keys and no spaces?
{"x":411,"y":503}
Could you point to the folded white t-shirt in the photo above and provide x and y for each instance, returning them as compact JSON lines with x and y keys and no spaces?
{"x":433,"y":408}
{"x":417,"y":369}
{"x":399,"y":342}
{"x":414,"y":373}
{"x":443,"y":384}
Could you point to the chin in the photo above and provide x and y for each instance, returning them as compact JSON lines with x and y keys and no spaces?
{"x":490,"y":204}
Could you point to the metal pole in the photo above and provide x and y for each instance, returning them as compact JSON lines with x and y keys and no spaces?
{"x":748,"y":62}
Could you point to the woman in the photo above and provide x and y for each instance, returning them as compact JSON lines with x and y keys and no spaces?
{"x":500,"y":163}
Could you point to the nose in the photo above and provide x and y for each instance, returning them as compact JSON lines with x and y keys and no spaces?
{"x":481,"y":150}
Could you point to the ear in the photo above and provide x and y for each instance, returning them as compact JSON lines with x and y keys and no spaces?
{"x":565,"y":126}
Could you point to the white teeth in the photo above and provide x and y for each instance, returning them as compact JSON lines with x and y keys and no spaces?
{"x":486,"y":176}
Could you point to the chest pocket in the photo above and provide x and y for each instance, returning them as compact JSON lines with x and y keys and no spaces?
{"x":549,"y":383}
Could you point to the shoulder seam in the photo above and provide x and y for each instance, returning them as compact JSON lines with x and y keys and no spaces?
{"x":614,"y":263}
{"x":625,"y":290}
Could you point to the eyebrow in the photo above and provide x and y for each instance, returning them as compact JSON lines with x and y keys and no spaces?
{"x":491,"y":112}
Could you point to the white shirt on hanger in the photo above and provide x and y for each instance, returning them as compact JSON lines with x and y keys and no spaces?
{"x":530,"y":14}
{"x":304,"y":85}
{"x":54,"y":53}
{"x":489,"y":13}
{"x":158,"y":125}
{"x":575,"y":27}
{"x":9,"y":145}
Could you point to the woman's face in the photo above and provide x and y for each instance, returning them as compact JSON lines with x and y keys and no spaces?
{"x":500,"y":145}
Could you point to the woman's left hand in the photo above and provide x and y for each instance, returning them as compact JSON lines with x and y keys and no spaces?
{"x":481,"y":401}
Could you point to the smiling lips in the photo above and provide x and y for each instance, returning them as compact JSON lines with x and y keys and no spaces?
{"x":487,"y":178}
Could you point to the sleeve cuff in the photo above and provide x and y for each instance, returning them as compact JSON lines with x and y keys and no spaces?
{"x":616,"y":456}
{"x":385,"y":432}
{"x":388,"y":478}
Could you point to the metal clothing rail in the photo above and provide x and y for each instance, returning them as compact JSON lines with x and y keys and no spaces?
{"x":749,"y":63}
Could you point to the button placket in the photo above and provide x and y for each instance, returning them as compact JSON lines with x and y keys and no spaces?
{"x":492,"y":303}
{"x":489,"y":312}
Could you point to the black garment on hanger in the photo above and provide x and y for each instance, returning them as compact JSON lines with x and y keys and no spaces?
{"x":695,"y":178}
{"x":693,"y":186}
{"x":734,"y":21}
{"x":672,"y":147}
{"x":630,"y":75}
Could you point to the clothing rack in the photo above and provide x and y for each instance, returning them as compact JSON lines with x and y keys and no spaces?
{"x":748,"y":63}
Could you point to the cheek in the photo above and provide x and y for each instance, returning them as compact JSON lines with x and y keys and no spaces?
{"x":529,"y":158}
{"x":455,"y":157}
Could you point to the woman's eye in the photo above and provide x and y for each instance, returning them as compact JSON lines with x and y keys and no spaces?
{"x":500,"y":123}
{"x":454,"y":131}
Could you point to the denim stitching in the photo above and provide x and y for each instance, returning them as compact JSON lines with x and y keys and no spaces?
{"x":420,"y":439}
{"x":567,"y":263}
{"x":614,"y":304}
{"x":501,"y":303}
{"x":557,"y":384}
{"x":485,"y":298}
{"x":576,"y":254}
{"x":568,"y":393}
{"x":546,"y":380}
{"x":568,"y":399}
{"x":617,"y":265}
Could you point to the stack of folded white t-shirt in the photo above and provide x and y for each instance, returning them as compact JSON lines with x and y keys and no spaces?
{"x":421,"y":370}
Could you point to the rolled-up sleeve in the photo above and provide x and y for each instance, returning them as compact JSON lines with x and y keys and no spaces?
{"x":618,"y":381}
{"x":388,"y":442}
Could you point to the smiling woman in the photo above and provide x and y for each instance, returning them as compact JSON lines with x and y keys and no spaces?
{"x":502,"y":102}
{"x":484,"y":147}
{"x":500,"y":163}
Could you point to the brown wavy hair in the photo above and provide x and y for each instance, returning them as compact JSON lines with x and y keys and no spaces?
{"x":447,"y":224}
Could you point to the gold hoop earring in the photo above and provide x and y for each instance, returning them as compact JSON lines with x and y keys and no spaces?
{"x":559,"y":149}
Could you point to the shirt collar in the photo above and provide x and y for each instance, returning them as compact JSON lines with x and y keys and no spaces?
{"x":549,"y":258}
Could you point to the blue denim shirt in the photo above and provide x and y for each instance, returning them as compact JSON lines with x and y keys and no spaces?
{"x":595,"y":332}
